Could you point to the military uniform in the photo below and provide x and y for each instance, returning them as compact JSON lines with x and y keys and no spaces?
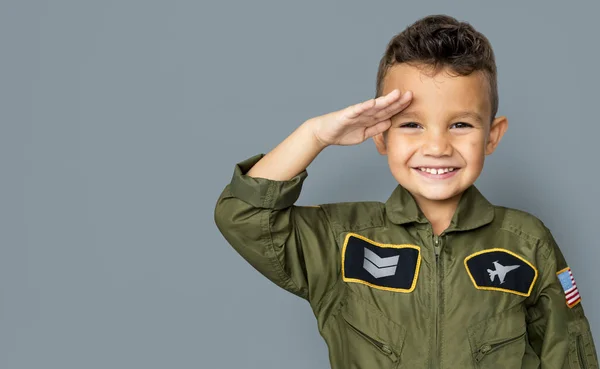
{"x":492,"y":291}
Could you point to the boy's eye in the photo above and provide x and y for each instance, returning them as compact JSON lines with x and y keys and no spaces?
{"x":462,"y":125}
{"x":410,"y":125}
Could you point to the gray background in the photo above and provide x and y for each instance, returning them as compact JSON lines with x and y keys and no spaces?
{"x":121,"y":122}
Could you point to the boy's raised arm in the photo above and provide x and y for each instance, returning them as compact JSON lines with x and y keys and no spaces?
{"x":293,"y":246}
{"x":350,"y":126}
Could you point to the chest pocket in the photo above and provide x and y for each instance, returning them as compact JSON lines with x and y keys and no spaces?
{"x":500,"y":341}
{"x":369,"y":339}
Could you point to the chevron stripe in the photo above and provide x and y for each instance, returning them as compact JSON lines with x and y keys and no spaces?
{"x":379,"y":261}
{"x":380,"y":267}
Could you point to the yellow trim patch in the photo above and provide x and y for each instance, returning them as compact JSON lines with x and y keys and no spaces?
{"x":498,"y":288}
{"x":383,"y":245}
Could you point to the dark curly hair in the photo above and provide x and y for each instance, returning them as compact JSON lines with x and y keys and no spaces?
{"x":441,"y":41}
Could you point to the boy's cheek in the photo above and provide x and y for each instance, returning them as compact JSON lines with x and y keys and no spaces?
{"x":471,"y":145}
{"x":399,"y":147}
{"x":402,"y":143}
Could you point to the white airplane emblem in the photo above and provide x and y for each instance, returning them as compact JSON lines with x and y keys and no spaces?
{"x":501,"y":271}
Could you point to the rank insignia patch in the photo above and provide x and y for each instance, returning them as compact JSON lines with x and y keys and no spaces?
{"x":567,"y":281}
{"x":387,"y":267}
{"x":501,"y":270}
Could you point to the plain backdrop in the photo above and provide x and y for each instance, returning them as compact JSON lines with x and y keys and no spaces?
{"x":121,"y":123}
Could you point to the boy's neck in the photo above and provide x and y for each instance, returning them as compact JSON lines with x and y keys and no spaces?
{"x":439,"y":213}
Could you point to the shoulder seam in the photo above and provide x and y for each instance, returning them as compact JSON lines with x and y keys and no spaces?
{"x":541,"y":243}
{"x":518,"y":232}
{"x":359,"y":226}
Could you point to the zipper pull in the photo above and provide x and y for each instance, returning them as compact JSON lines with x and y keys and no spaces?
{"x":388,"y":351}
{"x":482,"y":352}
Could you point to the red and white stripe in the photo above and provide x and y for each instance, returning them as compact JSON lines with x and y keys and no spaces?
{"x":572,"y":294}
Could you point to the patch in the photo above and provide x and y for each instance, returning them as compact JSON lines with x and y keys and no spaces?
{"x":501,"y":270}
{"x":386,"y":267}
{"x":567,"y":281}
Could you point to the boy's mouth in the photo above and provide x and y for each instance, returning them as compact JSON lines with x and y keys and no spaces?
{"x":437,"y":170}
{"x":437,"y":173}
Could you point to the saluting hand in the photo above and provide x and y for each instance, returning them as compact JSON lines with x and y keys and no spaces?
{"x":349,"y":126}
{"x":357,"y":123}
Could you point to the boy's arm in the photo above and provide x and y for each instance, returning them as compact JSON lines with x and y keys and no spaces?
{"x":349,"y":126}
{"x":291,"y":157}
{"x":256,"y":215}
{"x":559,"y":334}
{"x":294,"y":246}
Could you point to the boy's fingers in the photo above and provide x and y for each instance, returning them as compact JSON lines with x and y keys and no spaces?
{"x":390,"y":101}
{"x":384,"y":101}
{"x":396,"y":107}
{"x":378,"y":128}
{"x":358,"y":109}
{"x":372,"y":107}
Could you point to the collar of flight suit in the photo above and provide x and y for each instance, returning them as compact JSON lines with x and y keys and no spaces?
{"x":473,"y":210}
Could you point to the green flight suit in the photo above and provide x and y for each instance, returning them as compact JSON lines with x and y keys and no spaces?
{"x":388,"y":293}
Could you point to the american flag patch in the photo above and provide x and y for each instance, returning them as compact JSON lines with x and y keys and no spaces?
{"x":567,"y":281}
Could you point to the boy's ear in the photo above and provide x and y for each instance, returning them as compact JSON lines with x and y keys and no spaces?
{"x":380,"y":143}
{"x":499,"y":126}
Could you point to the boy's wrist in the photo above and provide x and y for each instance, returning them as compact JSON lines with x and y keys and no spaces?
{"x":310,"y":127}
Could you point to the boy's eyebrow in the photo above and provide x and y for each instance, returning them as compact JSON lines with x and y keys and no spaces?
{"x":462,"y":114}
{"x":469,"y":114}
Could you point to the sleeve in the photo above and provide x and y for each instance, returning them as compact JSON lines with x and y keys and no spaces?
{"x":558,"y":329}
{"x":293,"y":246}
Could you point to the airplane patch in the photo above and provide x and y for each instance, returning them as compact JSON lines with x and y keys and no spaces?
{"x":389,"y":267}
{"x":501,"y":270}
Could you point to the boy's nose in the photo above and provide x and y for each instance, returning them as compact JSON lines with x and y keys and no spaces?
{"x":437,"y":144}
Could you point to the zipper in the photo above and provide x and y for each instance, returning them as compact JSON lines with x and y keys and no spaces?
{"x":488,"y":348}
{"x":437,"y":246}
{"x":580,"y":352}
{"x":384,"y":348}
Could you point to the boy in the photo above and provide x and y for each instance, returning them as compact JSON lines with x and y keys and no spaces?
{"x":436,"y":277}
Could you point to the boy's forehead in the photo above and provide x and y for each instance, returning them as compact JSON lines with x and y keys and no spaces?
{"x":443,"y":90}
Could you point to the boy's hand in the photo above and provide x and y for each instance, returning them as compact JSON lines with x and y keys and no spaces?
{"x":357,"y":123}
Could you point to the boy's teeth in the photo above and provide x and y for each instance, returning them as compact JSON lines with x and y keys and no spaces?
{"x":436,"y":171}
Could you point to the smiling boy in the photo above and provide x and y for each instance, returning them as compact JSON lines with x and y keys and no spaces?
{"x":447,"y":127}
{"x":435,"y":277}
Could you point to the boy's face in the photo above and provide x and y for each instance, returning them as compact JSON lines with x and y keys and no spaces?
{"x":436,"y":146}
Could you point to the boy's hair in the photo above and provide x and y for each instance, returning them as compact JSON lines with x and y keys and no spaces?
{"x":440,"y":41}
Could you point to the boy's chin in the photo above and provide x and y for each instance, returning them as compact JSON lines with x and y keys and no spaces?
{"x":441,"y":198}
{"x":432,"y":195}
